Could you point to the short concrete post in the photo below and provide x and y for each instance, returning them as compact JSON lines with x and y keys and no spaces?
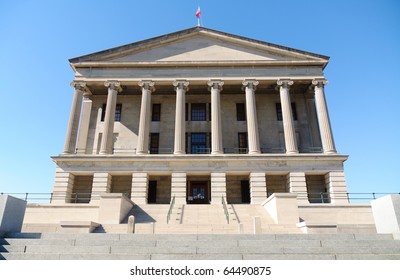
{"x":153,"y":228}
{"x":240,"y":228}
{"x":131,"y":224}
{"x":257,"y":225}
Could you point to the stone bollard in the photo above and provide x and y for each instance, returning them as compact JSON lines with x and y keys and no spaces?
{"x":257,"y":225}
{"x":131,"y":224}
{"x":240,"y":228}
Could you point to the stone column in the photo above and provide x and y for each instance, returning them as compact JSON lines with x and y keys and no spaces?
{"x":63,"y":185}
{"x":216,"y":124}
{"x":287,"y":117}
{"x":336,"y":185}
{"x":296,"y":182}
{"x":85,"y":121}
{"x":145,"y":116}
{"x":323,"y":117}
{"x":252,"y":124}
{"x":101,"y":184}
{"x":258,"y":187}
{"x":178,"y":187}
{"x":73,"y":124}
{"x":140,"y":183}
{"x":108,"y":130}
{"x":181,"y":88}
{"x":218,"y":187}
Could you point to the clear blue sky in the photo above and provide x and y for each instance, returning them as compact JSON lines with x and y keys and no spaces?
{"x":361,"y":37}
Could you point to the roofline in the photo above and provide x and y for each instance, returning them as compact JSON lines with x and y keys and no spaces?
{"x":188,"y":31}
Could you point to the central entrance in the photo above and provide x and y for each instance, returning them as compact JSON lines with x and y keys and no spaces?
{"x":198,"y":192}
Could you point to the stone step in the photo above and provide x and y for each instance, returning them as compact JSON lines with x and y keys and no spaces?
{"x":200,"y":246}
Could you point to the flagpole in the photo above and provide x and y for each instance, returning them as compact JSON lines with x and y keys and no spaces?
{"x":198,"y":21}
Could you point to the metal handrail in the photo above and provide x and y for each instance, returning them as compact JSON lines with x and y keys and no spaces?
{"x":171,"y":206}
{"x":225,"y":209}
{"x":80,"y":197}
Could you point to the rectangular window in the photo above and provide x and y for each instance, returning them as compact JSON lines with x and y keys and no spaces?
{"x":118,"y":112}
{"x":242,"y":137}
{"x":156,"y":113}
{"x":154,"y":142}
{"x":198,"y":143}
{"x":240,"y":112}
{"x":279,"y":111}
{"x":198,"y":112}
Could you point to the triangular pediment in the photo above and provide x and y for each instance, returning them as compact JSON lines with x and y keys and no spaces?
{"x":199,"y":45}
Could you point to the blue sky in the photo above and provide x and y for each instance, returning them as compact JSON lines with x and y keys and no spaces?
{"x":361,"y":37}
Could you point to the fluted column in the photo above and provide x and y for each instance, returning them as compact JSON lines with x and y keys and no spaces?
{"x":85,"y":120}
{"x":108,"y":131}
{"x":287,"y":117}
{"x":145,"y":115}
{"x":73,"y":124}
{"x":252,"y":124}
{"x":216,"y":124}
{"x":328,"y":143}
{"x":181,"y":88}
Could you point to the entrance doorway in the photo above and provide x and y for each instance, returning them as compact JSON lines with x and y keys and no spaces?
{"x":198,"y":192}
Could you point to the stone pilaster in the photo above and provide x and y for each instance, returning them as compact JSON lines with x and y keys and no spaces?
{"x":296,"y":182}
{"x":181,"y":88}
{"x":328,"y":143}
{"x":287,"y":117}
{"x":216,"y":122}
{"x":252,"y":123}
{"x":73,"y":124}
{"x":218,"y":187}
{"x":258,"y":187}
{"x":109,"y":118}
{"x":140,"y":183}
{"x":85,"y":121}
{"x":101,"y":185}
{"x":337,"y":188}
{"x":178,"y":187}
{"x":63,"y":185}
{"x":145,"y":117}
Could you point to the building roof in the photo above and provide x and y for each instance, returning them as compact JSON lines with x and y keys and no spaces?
{"x":199,"y":38}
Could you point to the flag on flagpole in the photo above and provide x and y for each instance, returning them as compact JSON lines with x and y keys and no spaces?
{"x":198,"y":15}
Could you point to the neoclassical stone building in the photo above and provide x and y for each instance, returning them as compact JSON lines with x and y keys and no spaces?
{"x":200,"y":112}
{"x":198,"y":116}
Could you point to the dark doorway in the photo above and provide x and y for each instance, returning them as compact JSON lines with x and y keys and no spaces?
{"x":198,"y":192}
{"x":245,"y":187}
{"x":152,"y":194}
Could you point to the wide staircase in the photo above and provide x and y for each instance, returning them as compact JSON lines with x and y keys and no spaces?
{"x":97,"y":246}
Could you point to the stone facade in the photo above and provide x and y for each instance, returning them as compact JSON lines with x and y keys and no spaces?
{"x":244,"y":118}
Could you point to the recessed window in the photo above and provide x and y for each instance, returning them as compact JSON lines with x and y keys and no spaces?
{"x":118,"y":112}
{"x":198,"y":143}
{"x":156,"y":113}
{"x":242,"y":138}
{"x":240,"y":112}
{"x":198,"y":111}
{"x":279,"y":111}
{"x":154,"y":143}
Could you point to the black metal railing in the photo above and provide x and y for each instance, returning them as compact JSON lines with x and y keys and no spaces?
{"x":313,"y":197}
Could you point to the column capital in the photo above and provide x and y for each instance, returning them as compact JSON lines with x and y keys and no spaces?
{"x":79,"y":85}
{"x":149,"y":85}
{"x":319,"y":82}
{"x":217,"y":84}
{"x":115,"y":85}
{"x":284,"y":82}
{"x":250,"y":83}
{"x":182,"y":84}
